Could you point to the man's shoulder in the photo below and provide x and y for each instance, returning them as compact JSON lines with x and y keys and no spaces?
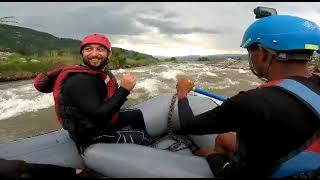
{"x":80,"y":78}
{"x":253,"y":92}
{"x":275,"y":92}
{"x":312,"y":82}
{"x":254,"y":95}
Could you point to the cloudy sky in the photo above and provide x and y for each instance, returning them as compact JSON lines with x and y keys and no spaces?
{"x":156,"y":28}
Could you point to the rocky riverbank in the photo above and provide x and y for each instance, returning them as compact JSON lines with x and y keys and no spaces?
{"x":15,"y":76}
{"x":24,"y":75}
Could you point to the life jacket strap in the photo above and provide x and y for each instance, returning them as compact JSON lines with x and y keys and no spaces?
{"x":304,"y":159}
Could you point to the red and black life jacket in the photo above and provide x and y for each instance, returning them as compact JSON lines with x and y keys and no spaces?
{"x":307,"y":157}
{"x":52,"y":81}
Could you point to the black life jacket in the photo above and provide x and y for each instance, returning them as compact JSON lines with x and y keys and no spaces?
{"x":307,"y":157}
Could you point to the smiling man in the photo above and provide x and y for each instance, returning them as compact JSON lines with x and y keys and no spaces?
{"x":95,"y":50}
{"x":88,"y":98}
{"x":94,"y":60}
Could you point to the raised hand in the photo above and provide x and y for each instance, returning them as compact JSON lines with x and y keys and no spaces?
{"x":184,"y":86}
{"x":128,"y":81}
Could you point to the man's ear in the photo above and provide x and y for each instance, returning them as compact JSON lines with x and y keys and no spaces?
{"x":109,"y":54}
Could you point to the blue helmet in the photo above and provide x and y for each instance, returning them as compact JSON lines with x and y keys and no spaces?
{"x":283,"y":33}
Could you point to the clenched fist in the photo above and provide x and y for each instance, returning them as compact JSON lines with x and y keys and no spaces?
{"x":128,"y":81}
{"x":184,"y":86}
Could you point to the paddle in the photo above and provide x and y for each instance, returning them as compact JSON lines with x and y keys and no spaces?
{"x":204,"y":92}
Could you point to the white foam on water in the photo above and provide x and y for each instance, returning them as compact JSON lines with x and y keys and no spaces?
{"x":171,"y":74}
{"x":135,"y":95}
{"x":254,"y":83}
{"x":208,"y":73}
{"x":221,"y":87}
{"x":140,"y":70}
{"x":207,"y":85}
{"x":242,"y":71}
{"x":164,"y":65}
{"x":22,"y":98}
{"x":118,"y":71}
{"x":150,"y":85}
{"x":16,"y":106}
{"x":219,"y":69}
{"x":251,"y":75}
{"x":228,"y":81}
{"x":152,"y":73}
{"x":191,"y":67}
{"x":5,"y":94}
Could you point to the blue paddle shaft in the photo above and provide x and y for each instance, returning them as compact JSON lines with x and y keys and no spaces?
{"x":201,"y":91}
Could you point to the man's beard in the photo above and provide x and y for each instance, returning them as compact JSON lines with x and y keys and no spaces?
{"x":104,"y":62}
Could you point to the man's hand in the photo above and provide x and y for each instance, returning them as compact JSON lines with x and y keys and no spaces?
{"x":128,"y":81}
{"x":204,"y":151}
{"x":184,"y":86}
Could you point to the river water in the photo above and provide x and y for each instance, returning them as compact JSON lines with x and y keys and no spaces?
{"x":25,"y":112}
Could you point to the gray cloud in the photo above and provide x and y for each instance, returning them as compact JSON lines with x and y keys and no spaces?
{"x":94,"y":19}
{"x":169,"y":27}
{"x":159,"y":12}
{"x":169,"y":15}
{"x":210,"y":25}
{"x":68,"y":19}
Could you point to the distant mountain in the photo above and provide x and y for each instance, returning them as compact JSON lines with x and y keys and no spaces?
{"x":226,"y":56}
{"x":28,"y":41}
{"x":133,"y":53}
{"x":188,"y":58}
{"x":161,"y":57}
{"x":209,"y":57}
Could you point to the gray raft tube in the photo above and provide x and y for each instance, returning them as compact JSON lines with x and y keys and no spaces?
{"x":155,"y":113}
{"x":131,"y":160}
{"x":58,"y":149}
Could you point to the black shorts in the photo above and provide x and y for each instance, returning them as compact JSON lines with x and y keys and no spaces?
{"x":135,"y":133}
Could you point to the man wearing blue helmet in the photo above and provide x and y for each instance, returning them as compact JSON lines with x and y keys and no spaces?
{"x":278,"y":123}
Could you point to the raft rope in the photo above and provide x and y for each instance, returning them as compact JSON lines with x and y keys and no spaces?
{"x":180,"y":139}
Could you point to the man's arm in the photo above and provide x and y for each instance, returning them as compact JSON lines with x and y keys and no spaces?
{"x":84,"y":93}
{"x":221,"y":119}
{"x":218,"y":120}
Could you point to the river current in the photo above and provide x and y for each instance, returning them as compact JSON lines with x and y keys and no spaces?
{"x":25,"y":112}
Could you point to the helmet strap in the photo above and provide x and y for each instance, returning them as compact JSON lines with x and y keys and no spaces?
{"x":252,"y":69}
{"x":263,"y":75}
{"x":271,"y":53}
{"x":267,"y":66}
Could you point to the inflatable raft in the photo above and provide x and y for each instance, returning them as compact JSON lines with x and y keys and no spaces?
{"x":125,"y":160}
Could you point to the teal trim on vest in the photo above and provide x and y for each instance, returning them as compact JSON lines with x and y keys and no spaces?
{"x":305,"y":160}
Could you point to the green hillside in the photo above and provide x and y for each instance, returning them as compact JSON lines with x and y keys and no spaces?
{"x":24,"y":52}
{"x":28,"y":41}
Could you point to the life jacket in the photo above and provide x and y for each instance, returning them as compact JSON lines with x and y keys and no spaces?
{"x":307,"y":157}
{"x":53,"y":80}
